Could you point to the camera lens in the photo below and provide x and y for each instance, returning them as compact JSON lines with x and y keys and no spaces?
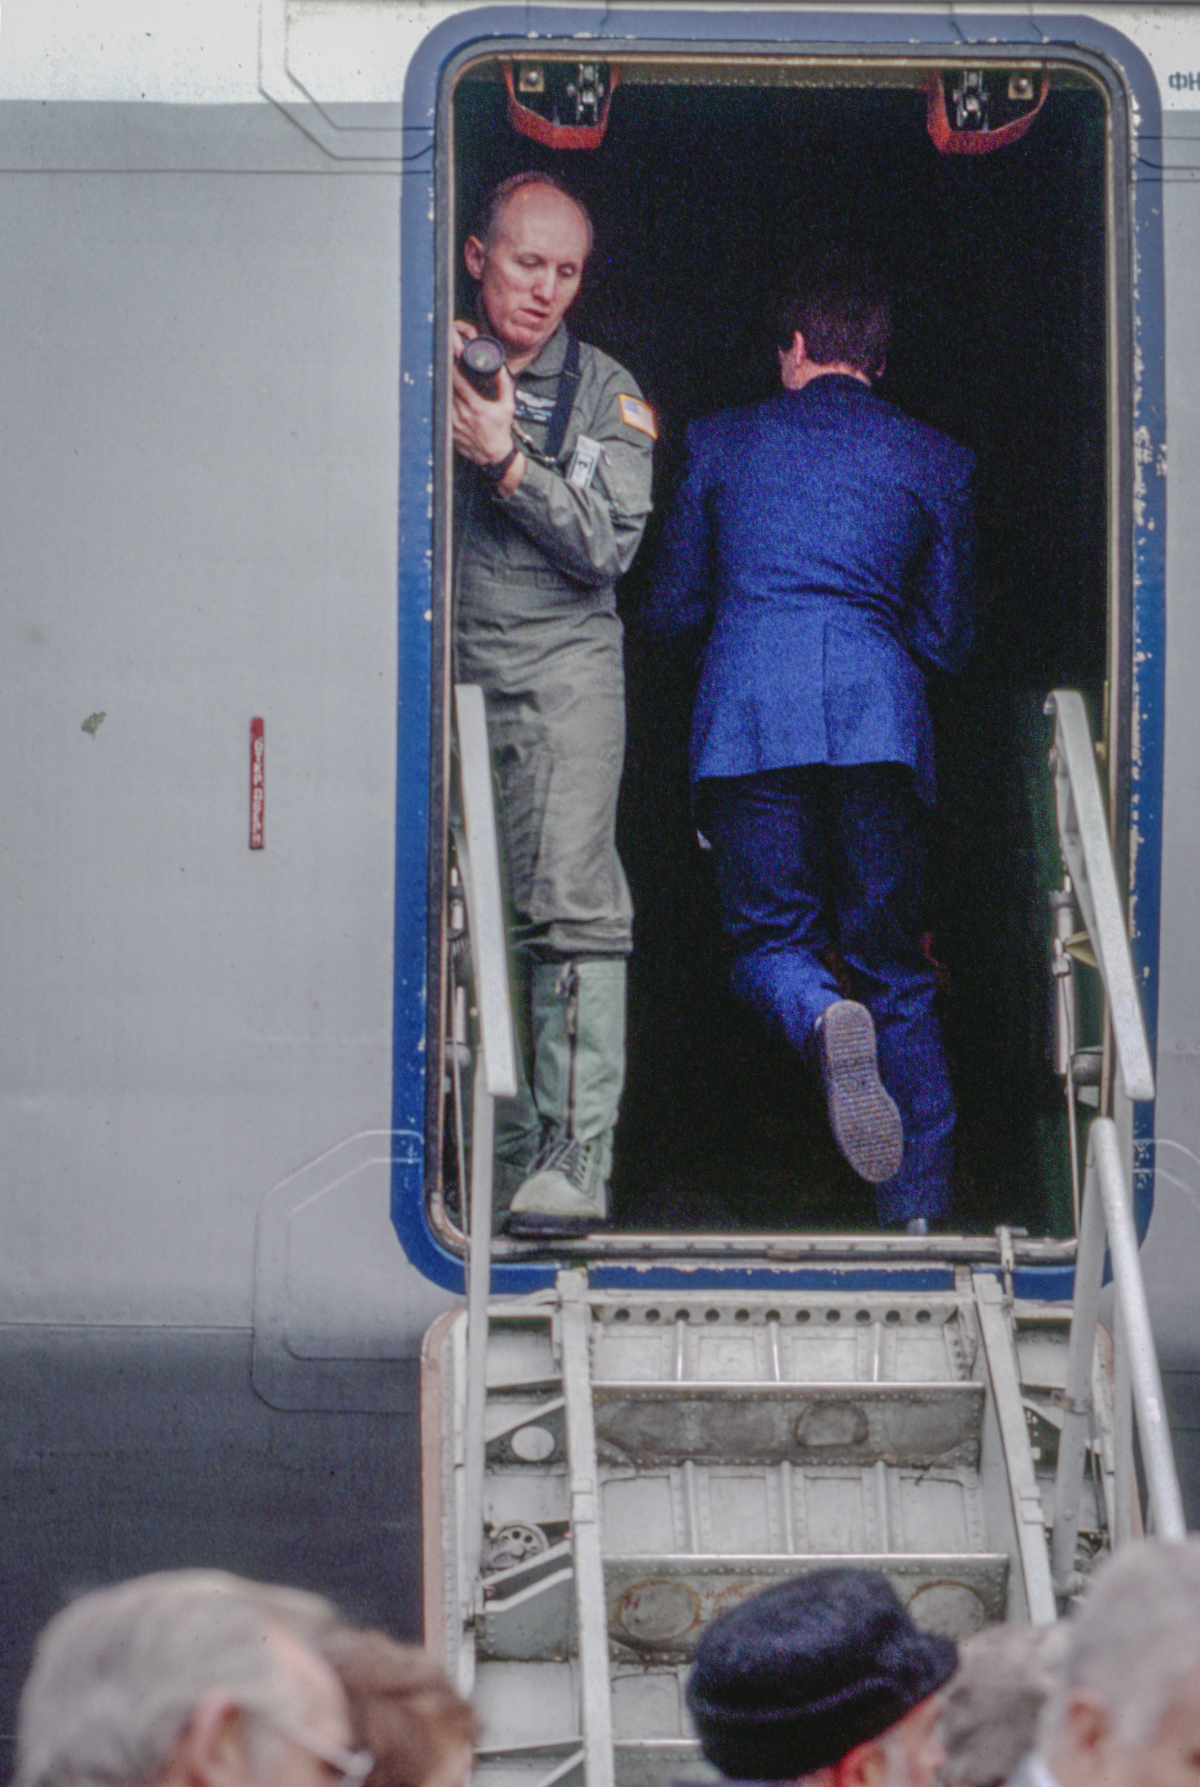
{"x":482,"y":357}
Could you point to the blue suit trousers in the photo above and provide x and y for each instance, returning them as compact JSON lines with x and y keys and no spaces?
{"x":822,"y":856}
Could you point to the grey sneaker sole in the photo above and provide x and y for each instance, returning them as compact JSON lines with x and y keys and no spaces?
{"x":865,"y":1122}
{"x":540,"y":1225}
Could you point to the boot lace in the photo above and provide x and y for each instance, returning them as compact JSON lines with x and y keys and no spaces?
{"x":566,"y":1156}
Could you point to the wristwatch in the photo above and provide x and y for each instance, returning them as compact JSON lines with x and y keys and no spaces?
{"x":496,"y":474}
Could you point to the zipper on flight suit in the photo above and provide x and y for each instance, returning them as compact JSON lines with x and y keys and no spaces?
{"x":568,"y":987}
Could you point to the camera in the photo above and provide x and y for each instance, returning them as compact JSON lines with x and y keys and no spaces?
{"x":480,"y":363}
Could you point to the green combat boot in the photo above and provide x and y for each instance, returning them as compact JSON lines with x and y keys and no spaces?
{"x":577,"y":1021}
{"x":518,"y":1136}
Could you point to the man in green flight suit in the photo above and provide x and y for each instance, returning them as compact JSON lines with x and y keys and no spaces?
{"x":551,"y":497}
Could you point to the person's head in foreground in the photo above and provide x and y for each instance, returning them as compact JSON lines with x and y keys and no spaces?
{"x":404,"y":1710}
{"x":188,"y":1678}
{"x":1126,"y":1710}
{"x":823,"y":1678}
{"x":990,"y":1710}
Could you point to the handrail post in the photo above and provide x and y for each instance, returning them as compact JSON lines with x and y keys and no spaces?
{"x":1087,"y":853}
{"x":1107,"y":1212}
{"x":1073,"y":1437}
{"x":478,"y":1288}
{"x":495,"y":1077}
{"x":591,"y":1604}
{"x":1154,"y":1433}
{"x":1124,"y":1478}
{"x":485,"y":904}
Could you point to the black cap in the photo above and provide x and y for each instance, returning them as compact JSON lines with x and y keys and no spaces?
{"x":797,"y":1676}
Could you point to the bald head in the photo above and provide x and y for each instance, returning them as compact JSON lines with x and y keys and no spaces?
{"x":528,"y":262}
{"x":498,"y":199}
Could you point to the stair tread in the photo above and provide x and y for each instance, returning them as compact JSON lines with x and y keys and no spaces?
{"x":657,"y":1606}
{"x":926,"y":1424}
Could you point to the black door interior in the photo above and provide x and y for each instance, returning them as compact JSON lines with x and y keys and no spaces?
{"x":701,"y":194}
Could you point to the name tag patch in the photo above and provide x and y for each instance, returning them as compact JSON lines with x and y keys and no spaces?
{"x":584,"y":461}
{"x":636,"y":414}
{"x":531,"y":409}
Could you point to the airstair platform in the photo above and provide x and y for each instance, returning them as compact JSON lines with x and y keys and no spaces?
{"x":679,"y":1452}
{"x":606,"y":1468}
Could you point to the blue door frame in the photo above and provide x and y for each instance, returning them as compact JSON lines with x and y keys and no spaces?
{"x":419,"y":706}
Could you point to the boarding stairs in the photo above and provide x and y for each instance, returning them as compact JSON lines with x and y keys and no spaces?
{"x":609,"y":1466}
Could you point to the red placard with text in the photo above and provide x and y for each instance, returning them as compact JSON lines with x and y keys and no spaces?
{"x":258,"y":783}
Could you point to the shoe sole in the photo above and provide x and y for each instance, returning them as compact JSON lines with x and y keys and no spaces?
{"x":540,"y":1225}
{"x":865,"y":1122}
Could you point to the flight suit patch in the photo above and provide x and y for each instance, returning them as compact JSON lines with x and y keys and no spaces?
{"x":531,"y":409}
{"x":636,"y":414}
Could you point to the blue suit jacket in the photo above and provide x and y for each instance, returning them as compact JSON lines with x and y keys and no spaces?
{"x":826,"y":539}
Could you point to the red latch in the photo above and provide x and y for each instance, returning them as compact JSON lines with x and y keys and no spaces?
{"x":551,"y":135}
{"x":980,"y":140}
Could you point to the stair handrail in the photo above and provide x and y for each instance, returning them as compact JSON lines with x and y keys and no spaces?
{"x":495,"y":1077}
{"x":1084,"y":842}
{"x":1108,"y":1223}
{"x":574,"y":1320}
{"x":485,"y":900}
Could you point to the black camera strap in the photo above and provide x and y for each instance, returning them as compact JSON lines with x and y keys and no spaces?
{"x":564,"y":402}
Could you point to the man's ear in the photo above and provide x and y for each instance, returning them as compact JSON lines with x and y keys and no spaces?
{"x":792,"y":362}
{"x":212,"y":1751}
{"x":1089,"y":1724}
{"x":474,"y":255}
{"x":795,"y":355}
{"x":865,"y":1765}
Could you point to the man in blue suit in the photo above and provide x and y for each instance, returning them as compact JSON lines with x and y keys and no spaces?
{"x":821,"y":545}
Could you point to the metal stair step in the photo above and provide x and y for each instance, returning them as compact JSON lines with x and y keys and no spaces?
{"x":791,"y":1511}
{"x":646,"y":1424}
{"x":836,"y":1338}
{"x":657,"y":1606}
{"x":649,"y":1424}
{"x":659,"y":1612}
{"x":782,"y":1508}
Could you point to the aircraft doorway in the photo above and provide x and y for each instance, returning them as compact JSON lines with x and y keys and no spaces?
{"x":711,"y":175}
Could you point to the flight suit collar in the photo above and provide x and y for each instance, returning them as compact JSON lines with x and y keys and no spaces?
{"x":548,"y":362}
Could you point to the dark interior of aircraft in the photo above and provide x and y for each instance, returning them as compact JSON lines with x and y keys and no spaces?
{"x":702,"y":195}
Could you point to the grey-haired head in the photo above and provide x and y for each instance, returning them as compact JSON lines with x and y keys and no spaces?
{"x":127,"y":1678}
{"x":1126,"y":1709}
{"x":993,"y":1705}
